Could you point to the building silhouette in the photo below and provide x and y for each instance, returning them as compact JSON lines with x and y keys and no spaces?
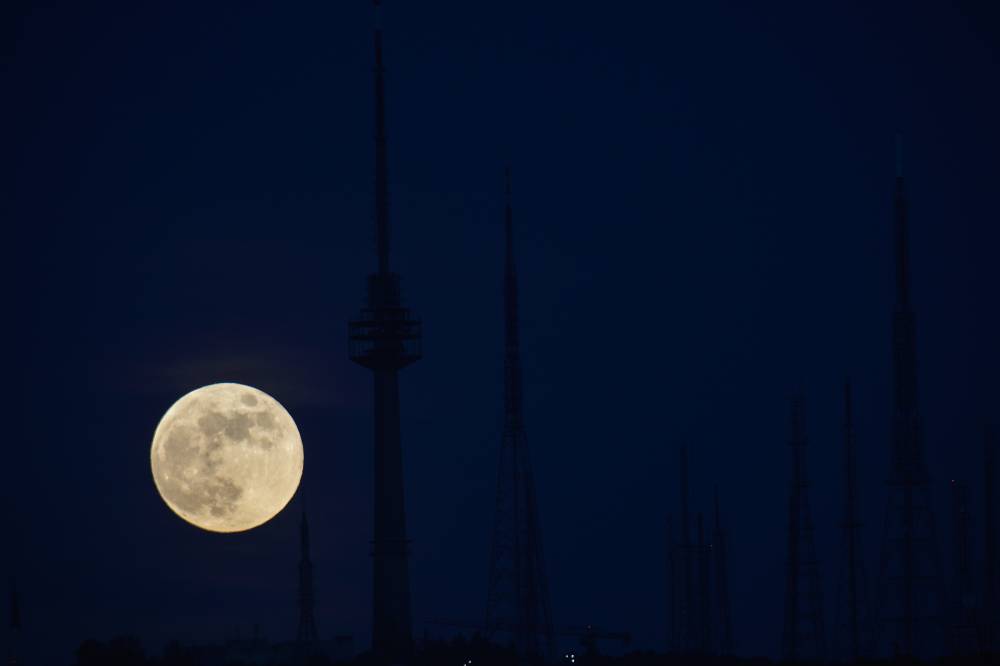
{"x":385,"y":337}
{"x":518,"y":596}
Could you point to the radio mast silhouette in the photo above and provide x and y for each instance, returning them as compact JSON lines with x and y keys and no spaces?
{"x":991,"y":585}
{"x":686,"y":616}
{"x":964,"y":624}
{"x":306,"y":637}
{"x":704,"y":589}
{"x":726,"y":644}
{"x":386,"y":338}
{"x":673,"y":605}
{"x":852,"y":592}
{"x":803,"y":638}
{"x":690,"y":576}
{"x":907,"y":620}
{"x":518,"y":596}
{"x":15,"y":625}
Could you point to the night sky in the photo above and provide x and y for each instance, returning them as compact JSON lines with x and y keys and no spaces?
{"x":702,"y":204}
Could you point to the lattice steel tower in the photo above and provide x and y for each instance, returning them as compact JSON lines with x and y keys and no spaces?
{"x":518,"y":596}
{"x":965,"y":639}
{"x":704,"y":589}
{"x":803,"y":638}
{"x":673,"y":601}
{"x":15,"y":626}
{"x":991,"y":583}
{"x":686,"y":617}
{"x":306,"y":637}
{"x":726,"y":642}
{"x":385,"y":338}
{"x":849,"y":641}
{"x":909,"y":599}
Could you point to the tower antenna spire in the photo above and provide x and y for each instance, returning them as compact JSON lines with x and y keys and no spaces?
{"x":901,"y":233}
{"x":899,"y":155}
{"x":381,"y":158}
{"x":512,"y":342}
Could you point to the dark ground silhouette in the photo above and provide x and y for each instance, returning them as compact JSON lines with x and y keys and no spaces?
{"x":460,"y":651}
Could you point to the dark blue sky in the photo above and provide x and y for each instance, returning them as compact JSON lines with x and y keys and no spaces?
{"x":702,"y":200}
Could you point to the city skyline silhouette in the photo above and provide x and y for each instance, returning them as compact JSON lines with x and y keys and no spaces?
{"x":705,"y":227}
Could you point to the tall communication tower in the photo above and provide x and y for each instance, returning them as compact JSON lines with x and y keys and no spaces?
{"x":803,"y":638}
{"x":385,"y":338}
{"x":907,"y":619}
{"x":518,"y":596}
{"x":852,"y":592}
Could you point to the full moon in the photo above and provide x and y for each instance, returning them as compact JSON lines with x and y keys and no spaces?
{"x":226,"y":457}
